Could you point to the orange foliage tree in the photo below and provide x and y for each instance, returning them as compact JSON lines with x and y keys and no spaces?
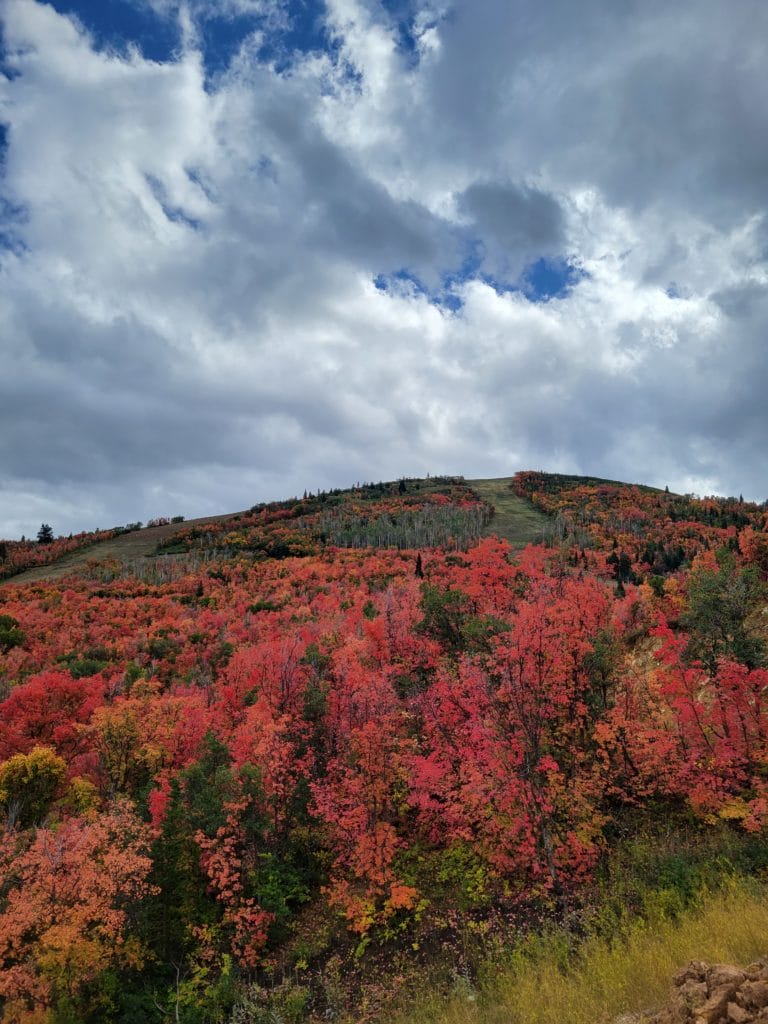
{"x":67,"y":897}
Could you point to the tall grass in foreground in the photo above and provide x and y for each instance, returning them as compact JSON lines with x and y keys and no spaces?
{"x":608,"y":978}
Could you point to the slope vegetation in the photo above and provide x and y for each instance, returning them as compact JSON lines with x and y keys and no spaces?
{"x":311,"y":760}
{"x":340,"y":521}
{"x":125,"y":547}
{"x":514,"y":519}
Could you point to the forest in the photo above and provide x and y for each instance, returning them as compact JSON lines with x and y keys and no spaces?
{"x":306,"y":762}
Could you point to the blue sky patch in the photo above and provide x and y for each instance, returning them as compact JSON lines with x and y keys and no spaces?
{"x":401,"y":18}
{"x":118,"y":24}
{"x":115,"y":24}
{"x":221,"y":38}
{"x":469,"y":267}
{"x":541,"y":281}
{"x":549,"y":279}
{"x":301,"y":30}
{"x":403,"y":281}
{"x":304,"y":32}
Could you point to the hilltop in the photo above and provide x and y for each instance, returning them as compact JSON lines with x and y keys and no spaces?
{"x":411,"y":748}
{"x":509,"y":517}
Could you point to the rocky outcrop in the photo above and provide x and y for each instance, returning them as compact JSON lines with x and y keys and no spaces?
{"x":716,"y":994}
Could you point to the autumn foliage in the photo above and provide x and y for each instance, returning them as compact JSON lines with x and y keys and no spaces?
{"x":187,"y":762}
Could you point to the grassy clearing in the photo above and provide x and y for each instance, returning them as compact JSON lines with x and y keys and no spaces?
{"x":515,"y":519}
{"x":544,"y":983}
{"x":138,"y":544}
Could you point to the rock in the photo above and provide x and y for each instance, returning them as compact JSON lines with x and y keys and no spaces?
{"x":714,"y":1009}
{"x":692,"y":994}
{"x":754,"y":994}
{"x":696,"y":970}
{"x":713,"y":994}
{"x":754,"y":971}
{"x":720,"y":975}
{"x":665,"y":1016}
{"x":737,"y":1014}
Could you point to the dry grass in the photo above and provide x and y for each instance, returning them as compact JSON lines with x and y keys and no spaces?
{"x":608,"y":979}
{"x":137,"y":544}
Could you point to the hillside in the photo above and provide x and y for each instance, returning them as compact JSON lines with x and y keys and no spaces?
{"x":134,"y":544}
{"x":514,"y":519}
{"x":408,"y":750}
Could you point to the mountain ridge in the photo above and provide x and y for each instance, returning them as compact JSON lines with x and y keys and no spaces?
{"x":514,"y":519}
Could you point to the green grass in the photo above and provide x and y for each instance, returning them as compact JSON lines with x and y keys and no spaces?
{"x":545,"y":983}
{"x":515,"y":519}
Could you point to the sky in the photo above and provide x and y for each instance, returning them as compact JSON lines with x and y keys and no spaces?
{"x":253,"y":247}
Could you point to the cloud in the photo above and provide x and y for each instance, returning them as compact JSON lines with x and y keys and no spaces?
{"x":518,"y":224}
{"x":188,"y":309}
{"x":273,"y":12}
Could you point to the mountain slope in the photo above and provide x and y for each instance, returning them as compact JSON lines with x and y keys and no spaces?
{"x":351,"y":741}
{"x":514,"y":519}
{"x":136,"y":544}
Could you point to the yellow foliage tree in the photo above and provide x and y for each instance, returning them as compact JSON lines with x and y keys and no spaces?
{"x":29,"y":784}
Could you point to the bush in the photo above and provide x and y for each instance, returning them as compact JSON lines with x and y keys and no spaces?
{"x":10,"y":634}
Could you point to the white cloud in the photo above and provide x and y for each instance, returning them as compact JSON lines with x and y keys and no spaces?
{"x":273,"y":10}
{"x":193,"y":319}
